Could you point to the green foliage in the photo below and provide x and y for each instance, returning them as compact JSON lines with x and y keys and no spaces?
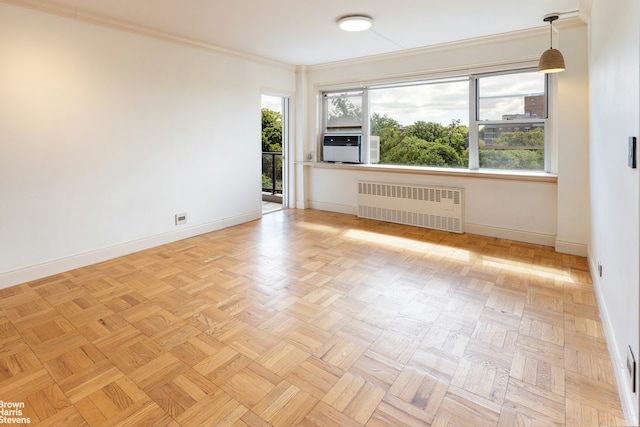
{"x":415,"y":151}
{"x":271,"y":131}
{"x":457,"y":136}
{"x":532,"y":138}
{"x":423,"y":143}
{"x":428,"y":131}
{"x":432,"y":144}
{"x":382,"y":123}
{"x":512,"y":159}
{"x":267,"y":183}
{"x":518,"y":159}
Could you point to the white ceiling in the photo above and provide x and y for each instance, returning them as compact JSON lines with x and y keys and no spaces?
{"x":304,"y":32}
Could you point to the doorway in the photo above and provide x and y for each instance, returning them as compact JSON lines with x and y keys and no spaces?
{"x":275,"y":137}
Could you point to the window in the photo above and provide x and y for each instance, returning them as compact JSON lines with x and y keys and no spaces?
{"x":424,"y":124}
{"x":431,"y":123}
{"x":343,"y":111}
{"x":511,"y":120}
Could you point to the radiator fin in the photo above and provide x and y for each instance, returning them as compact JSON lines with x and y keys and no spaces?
{"x":439,"y":208}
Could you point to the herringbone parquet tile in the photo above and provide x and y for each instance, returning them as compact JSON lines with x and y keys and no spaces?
{"x":315,"y":319}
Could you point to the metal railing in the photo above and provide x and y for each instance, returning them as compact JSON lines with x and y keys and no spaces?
{"x":272,"y":173}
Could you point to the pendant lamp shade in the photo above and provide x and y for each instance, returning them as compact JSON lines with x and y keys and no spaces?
{"x":551,"y":60}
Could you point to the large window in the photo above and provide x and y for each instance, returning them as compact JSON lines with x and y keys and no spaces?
{"x":432,"y":124}
{"x":423,"y":123}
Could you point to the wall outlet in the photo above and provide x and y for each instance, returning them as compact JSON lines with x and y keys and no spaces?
{"x":181,"y":218}
{"x":631,"y":368}
{"x":600,"y":268}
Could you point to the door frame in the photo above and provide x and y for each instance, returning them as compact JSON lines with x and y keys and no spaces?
{"x":286,"y":111}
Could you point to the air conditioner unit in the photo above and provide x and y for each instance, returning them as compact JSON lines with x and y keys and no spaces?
{"x":342,"y":148}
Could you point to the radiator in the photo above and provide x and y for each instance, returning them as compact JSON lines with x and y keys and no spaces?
{"x":440,"y":208}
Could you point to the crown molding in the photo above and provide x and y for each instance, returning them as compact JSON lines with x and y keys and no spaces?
{"x":52,"y":8}
{"x":585,"y":10}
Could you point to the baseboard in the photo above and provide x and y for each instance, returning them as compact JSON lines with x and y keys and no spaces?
{"x":330,"y":207}
{"x":302,"y":204}
{"x":571,"y":248}
{"x":482,"y":230}
{"x":39,"y":271}
{"x":510,"y":234}
{"x":627,"y":397}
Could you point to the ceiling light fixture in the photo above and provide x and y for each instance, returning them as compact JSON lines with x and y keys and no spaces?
{"x":355,"y":23}
{"x":551,"y":60}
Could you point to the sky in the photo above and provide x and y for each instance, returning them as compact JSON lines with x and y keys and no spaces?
{"x":444,"y":102}
{"x":273,"y":103}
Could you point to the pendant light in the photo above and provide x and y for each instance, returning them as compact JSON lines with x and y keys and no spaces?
{"x":551,"y":60}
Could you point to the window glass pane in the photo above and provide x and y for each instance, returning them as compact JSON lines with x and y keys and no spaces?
{"x":344,"y":111}
{"x":512,"y":96}
{"x":517,"y":146}
{"x":422,"y":124}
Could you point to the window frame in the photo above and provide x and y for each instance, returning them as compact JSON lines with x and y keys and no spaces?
{"x":364,"y":109}
{"x":475,"y":122}
{"x":550,"y":145}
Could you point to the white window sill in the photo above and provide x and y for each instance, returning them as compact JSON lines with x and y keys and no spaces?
{"x":461,"y":173}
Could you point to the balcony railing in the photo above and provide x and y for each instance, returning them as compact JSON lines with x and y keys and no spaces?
{"x":272,"y":173}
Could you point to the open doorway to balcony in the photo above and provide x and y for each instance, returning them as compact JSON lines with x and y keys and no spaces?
{"x":275,"y":136}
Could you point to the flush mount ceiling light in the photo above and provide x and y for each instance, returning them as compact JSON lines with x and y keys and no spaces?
{"x":551,"y":60}
{"x":355,"y":23}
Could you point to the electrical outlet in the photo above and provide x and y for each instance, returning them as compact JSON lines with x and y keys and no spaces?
{"x":631,"y":368}
{"x":600,"y":268}
{"x":181,"y":218}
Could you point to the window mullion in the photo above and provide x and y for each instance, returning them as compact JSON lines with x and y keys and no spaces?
{"x":474,"y":159}
{"x":366,"y":128}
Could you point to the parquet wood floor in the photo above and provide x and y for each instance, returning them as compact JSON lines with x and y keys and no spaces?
{"x":314,"y":319}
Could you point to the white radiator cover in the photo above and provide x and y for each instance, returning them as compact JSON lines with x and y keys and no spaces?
{"x":440,"y":208}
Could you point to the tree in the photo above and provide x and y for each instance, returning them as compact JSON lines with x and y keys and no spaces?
{"x":382,"y":123}
{"x":428,"y":131}
{"x":456,"y":135}
{"x":518,"y":158}
{"x":512,"y":159}
{"x":412,"y":150}
{"x":532,"y":138}
{"x":271,"y":131}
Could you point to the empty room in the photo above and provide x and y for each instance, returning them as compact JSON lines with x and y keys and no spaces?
{"x":447,"y":231}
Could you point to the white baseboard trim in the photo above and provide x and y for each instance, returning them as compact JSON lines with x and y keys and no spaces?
{"x":330,"y":207}
{"x":482,"y":230}
{"x":510,"y":234}
{"x":571,"y":248}
{"x":39,"y":271}
{"x":303,"y":204}
{"x":627,"y":397}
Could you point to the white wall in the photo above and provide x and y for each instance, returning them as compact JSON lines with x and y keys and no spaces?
{"x":105,"y":135}
{"x":537,"y":212}
{"x":614,"y":63}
